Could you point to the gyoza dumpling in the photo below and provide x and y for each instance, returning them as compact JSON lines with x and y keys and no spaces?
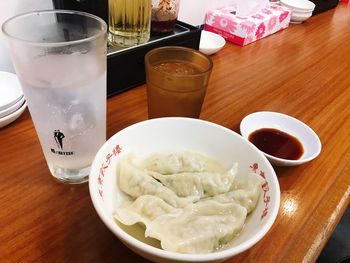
{"x":198,"y":184}
{"x":136,"y":182}
{"x":244,"y":191}
{"x":180,"y":162}
{"x":144,"y":210}
{"x":202,"y":227}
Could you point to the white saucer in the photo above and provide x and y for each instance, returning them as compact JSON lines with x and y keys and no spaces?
{"x":13,"y":116}
{"x":265,"y":119}
{"x":12,"y":108}
{"x":211,"y":43}
{"x":10,"y":90}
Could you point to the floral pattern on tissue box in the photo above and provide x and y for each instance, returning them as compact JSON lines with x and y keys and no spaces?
{"x":245,"y":30}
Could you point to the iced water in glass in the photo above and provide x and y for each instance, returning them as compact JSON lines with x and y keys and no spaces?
{"x":60,"y":59}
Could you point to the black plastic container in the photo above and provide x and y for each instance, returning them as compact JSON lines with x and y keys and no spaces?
{"x":324,"y":5}
{"x":96,"y":7}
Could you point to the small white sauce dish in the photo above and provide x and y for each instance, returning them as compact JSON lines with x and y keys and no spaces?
{"x":210,"y":43}
{"x":265,"y":119}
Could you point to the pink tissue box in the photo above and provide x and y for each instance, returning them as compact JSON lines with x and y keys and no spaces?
{"x":245,"y":30}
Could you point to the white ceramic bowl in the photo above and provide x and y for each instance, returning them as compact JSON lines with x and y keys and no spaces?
{"x":265,"y":119}
{"x":298,"y":5}
{"x":210,"y":43}
{"x":179,"y":134}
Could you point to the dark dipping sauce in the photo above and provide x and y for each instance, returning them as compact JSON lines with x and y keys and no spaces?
{"x":277,"y":143}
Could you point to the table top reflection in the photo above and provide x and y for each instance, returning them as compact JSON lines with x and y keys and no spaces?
{"x":302,"y":71}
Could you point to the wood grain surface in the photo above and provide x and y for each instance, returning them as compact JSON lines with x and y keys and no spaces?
{"x":303,"y":71}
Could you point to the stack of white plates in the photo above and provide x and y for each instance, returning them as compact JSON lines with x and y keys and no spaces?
{"x":301,"y":9}
{"x":12,"y":101}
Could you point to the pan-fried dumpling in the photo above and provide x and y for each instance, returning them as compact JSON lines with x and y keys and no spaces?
{"x":143,"y":210}
{"x":202,"y":227}
{"x":174,"y":163}
{"x":198,"y":184}
{"x":244,"y":191}
{"x":136,"y":182}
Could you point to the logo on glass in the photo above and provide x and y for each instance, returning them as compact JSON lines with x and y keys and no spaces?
{"x":59,"y":136}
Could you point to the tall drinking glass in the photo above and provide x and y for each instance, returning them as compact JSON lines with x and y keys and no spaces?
{"x":60,"y":59}
{"x":129,"y":22}
{"x":177,"y":80}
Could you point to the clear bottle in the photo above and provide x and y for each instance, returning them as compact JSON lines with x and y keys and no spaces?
{"x":164,"y":15}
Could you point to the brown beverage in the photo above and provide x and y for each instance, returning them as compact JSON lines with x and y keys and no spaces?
{"x":180,"y":68}
{"x":176,"y":103}
{"x":177,"y":78}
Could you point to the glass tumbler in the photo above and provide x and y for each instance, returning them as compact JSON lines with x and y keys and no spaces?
{"x":60,"y":60}
{"x":129,"y":22}
{"x":177,"y":80}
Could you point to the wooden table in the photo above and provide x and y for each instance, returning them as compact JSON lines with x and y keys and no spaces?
{"x":303,"y":71}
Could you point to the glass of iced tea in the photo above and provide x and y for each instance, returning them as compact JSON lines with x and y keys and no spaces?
{"x":177,"y":79}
